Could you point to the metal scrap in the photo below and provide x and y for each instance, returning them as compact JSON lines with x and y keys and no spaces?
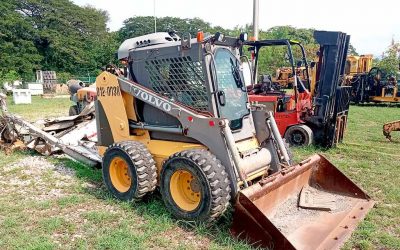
{"x":75,"y":136}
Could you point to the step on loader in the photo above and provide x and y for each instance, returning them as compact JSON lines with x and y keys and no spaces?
{"x":178,"y":117}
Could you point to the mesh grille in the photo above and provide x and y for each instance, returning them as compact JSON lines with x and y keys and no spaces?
{"x":179,"y":78}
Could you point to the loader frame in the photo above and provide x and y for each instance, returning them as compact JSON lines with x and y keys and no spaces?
{"x":205,"y":129}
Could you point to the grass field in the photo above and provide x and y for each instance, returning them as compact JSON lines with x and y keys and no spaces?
{"x":54,"y":203}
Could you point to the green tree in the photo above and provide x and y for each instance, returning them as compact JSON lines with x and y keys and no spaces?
{"x":352,"y":50}
{"x":54,"y":35}
{"x":18,"y":50}
{"x":390,"y":61}
{"x":142,"y":25}
{"x":65,"y":32}
{"x":271,"y":58}
{"x":9,"y":77}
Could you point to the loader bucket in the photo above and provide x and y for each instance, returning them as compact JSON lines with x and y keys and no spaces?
{"x":308,"y":206}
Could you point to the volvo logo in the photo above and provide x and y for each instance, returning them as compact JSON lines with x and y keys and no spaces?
{"x":149,"y":98}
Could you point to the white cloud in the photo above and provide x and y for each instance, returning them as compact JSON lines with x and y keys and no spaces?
{"x":371,"y":24}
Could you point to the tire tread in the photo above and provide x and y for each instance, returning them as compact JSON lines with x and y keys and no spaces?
{"x":216,"y":176}
{"x":143,"y":163}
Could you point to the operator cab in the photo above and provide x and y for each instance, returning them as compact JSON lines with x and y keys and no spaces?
{"x":203,"y":73}
{"x":295,"y":75}
{"x":296,"y":71}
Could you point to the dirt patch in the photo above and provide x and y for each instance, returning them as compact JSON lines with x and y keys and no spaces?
{"x":36,"y":178}
{"x":189,"y":239}
{"x":59,"y":206}
{"x":288,"y":216}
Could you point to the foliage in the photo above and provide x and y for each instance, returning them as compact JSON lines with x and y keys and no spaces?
{"x":270,"y":58}
{"x":61,"y":36}
{"x":17,"y":41}
{"x":9,"y":77}
{"x":141,"y":25}
{"x":53,"y":35}
{"x":65,"y":33}
{"x":274,"y":57}
{"x":390,"y":61}
{"x":352,"y":50}
{"x":63,"y":77}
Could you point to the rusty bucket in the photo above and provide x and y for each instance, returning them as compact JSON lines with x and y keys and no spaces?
{"x":308,"y":206}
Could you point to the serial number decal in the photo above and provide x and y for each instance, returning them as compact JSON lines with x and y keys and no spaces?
{"x":108,"y":91}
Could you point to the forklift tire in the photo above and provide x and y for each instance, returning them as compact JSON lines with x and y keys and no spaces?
{"x":195,"y":186}
{"x":73,"y":110}
{"x":129,"y":170}
{"x":299,"y":135}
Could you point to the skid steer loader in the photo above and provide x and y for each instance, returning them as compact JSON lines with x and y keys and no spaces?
{"x":180,"y":119}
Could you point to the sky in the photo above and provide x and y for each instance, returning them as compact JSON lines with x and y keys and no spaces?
{"x":371,"y":24}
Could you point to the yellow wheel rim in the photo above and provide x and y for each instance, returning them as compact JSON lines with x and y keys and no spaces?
{"x":185,"y":190}
{"x":120,"y":174}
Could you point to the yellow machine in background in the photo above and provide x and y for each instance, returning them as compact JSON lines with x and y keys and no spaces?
{"x":80,"y":95}
{"x":285,"y":79}
{"x":358,"y":64}
{"x":284,"y":76}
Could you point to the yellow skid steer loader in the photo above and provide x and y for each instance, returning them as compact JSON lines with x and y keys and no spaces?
{"x":179,"y":118}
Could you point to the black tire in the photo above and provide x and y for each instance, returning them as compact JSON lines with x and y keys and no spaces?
{"x":142,"y":172}
{"x":73,"y":110}
{"x":299,"y":135}
{"x":211,"y":177}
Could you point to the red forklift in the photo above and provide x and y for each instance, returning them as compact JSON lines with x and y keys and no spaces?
{"x":316,"y":110}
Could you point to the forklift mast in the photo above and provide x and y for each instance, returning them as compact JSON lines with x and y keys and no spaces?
{"x":331,"y":97}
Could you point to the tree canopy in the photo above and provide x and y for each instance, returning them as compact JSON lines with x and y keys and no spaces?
{"x":390,"y":61}
{"x":53,"y":35}
{"x":73,"y":40}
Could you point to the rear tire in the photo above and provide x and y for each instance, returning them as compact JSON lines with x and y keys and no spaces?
{"x":299,"y":135}
{"x":73,"y":110}
{"x":195,"y":186}
{"x":129,"y":170}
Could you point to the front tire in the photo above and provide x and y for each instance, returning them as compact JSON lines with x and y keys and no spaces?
{"x":299,"y":135}
{"x":195,"y":186}
{"x":129,"y":171}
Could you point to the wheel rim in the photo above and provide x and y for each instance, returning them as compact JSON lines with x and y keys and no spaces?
{"x":298,"y":138}
{"x":185,"y":190}
{"x":120,"y":174}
